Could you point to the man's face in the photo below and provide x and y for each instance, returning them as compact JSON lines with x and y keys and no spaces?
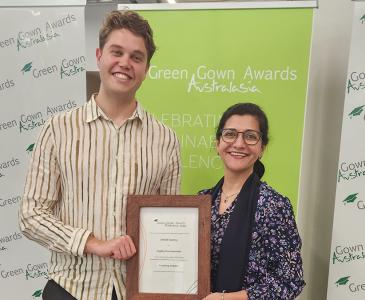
{"x":122,"y":63}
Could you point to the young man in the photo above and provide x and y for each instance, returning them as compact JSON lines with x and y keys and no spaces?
{"x":88,"y":160}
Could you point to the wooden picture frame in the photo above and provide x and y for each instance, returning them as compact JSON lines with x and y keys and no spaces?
{"x":136,"y":205}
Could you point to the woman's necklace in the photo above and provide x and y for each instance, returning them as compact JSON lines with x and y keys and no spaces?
{"x":227,"y":197}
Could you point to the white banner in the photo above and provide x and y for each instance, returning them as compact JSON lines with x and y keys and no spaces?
{"x":347,"y":261}
{"x":43,"y":66}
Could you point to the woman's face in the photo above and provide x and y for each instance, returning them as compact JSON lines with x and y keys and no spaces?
{"x":238,"y":157}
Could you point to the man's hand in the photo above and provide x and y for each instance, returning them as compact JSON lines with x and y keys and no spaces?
{"x":119,"y":248}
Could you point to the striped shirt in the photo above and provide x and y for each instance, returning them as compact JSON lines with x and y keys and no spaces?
{"x":81,"y":172}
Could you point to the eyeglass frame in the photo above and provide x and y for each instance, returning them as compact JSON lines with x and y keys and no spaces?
{"x":243,"y":135}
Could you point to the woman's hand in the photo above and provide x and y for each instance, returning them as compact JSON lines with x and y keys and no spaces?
{"x":241,"y":295}
{"x":214,"y":296}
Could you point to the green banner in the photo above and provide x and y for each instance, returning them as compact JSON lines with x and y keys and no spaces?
{"x":208,"y":60}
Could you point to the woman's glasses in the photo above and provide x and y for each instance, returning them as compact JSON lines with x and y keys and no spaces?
{"x":251,"y":137}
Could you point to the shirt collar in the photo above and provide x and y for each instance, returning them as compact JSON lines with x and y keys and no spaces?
{"x":94,"y":112}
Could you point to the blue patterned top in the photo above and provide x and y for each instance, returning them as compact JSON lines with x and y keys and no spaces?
{"x":275,"y":265}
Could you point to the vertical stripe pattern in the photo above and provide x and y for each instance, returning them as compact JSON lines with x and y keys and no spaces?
{"x":80,"y":174}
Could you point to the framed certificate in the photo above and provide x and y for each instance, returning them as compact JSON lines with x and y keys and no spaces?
{"x":172,"y":237}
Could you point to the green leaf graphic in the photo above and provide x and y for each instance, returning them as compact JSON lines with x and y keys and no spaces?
{"x":350,"y":198}
{"x":27,"y":67}
{"x":342,"y":281}
{"x":37,"y":293}
{"x":362,"y":19}
{"x":356,"y":111}
{"x":30,"y":148}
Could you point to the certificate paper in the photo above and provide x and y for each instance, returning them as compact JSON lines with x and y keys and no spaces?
{"x":168,"y":250}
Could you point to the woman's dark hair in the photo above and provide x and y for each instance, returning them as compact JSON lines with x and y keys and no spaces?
{"x":254,"y":110}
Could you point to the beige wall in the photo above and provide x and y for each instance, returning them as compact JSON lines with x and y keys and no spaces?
{"x":328,"y":68}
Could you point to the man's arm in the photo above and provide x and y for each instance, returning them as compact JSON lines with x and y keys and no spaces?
{"x":41,"y":194}
{"x":170,"y":184}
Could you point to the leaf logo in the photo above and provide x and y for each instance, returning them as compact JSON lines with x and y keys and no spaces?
{"x":342,"y":280}
{"x":27,"y":67}
{"x":350,"y":198}
{"x":356,"y":111}
{"x":362,"y":19}
{"x":37,"y":294}
{"x":30,"y":148}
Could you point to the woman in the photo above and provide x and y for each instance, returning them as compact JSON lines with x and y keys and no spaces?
{"x":255,"y":249}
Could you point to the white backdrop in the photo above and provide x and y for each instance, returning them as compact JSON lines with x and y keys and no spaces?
{"x":347,"y":258}
{"x":42,"y":53}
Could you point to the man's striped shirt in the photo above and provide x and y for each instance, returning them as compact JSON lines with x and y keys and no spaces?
{"x":81,"y":172}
